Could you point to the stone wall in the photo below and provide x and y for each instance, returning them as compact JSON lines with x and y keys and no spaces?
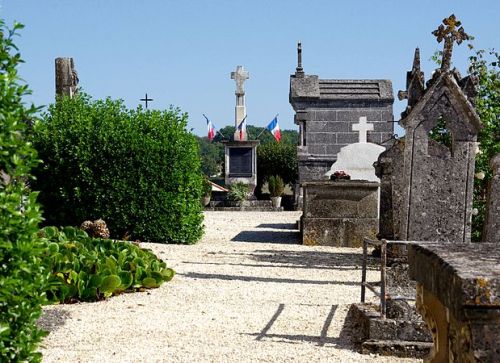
{"x":458,"y":295}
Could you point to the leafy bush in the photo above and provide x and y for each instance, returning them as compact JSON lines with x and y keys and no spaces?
{"x":238,"y":192}
{"x":138,"y":170}
{"x":207,"y":187}
{"x":277,"y":159}
{"x":486,"y":67}
{"x":22,"y":277}
{"x":87,"y":269}
{"x":276,"y":185}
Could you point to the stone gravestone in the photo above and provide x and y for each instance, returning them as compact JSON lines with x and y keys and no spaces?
{"x":491,"y":231}
{"x":357,"y":159}
{"x":389,"y":168}
{"x":240,"y":154}
{"x":438,"y":178}
{"x":66,"y":77}
{"x":326,"y":109}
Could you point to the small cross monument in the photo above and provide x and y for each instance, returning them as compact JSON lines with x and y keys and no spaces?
{"x":362,"y":127}
{"x":240,"y":76}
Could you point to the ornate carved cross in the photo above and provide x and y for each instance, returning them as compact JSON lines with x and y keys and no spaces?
{"x":450,"y":34}
{"x":240,"y":76}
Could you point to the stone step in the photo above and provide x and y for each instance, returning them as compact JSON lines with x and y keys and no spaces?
{"x":245,"y":208}
{"x":398,"y":348}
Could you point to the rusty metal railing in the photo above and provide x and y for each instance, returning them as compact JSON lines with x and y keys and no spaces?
{"x":382,"y":291}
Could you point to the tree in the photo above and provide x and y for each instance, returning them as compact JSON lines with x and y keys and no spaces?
{"x":276,"y":159}
{"x":486,"y":67}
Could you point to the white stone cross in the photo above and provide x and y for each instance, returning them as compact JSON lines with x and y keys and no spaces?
{"x":240,"y":76}
{"x":362,"y":127}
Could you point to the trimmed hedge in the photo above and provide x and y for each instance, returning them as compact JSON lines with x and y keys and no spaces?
{"x":22,"y":276}
{"x":88,"y":269}
{"x":138,"y":170}
{"x":276,"y":159}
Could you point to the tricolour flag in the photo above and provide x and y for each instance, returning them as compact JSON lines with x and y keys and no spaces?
{"x":242,"y":127}
{"x":274,"y":127}
{"x":211,"y":129}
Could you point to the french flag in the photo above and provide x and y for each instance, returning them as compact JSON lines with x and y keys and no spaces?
{"x":274,"y":127}
{"x":242,"y":127}
{"x":211,"y":129}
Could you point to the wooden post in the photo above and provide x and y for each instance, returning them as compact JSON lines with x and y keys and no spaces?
{"x":66,"y":77}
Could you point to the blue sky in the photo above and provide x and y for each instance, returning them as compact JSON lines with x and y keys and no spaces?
{"x":182,"y":52}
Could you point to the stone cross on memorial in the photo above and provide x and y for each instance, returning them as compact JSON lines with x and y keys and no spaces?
{"x":362,"y":127}
{"x":240,"y":76}
{"x":449,"y":34}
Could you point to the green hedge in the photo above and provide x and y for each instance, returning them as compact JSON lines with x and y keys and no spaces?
{"x":138,"y":170}
{"x":87,"y":269}
{"x":276,"y":159}
{"x":22,"y":277}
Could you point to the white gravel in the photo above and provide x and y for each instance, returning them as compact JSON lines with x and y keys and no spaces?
{"x":247,"y":292}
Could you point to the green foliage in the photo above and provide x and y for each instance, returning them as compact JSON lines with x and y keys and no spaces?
{"x":22,"y":277}
{"x":276,"y":158}
{"x":207,"y":187}
{"x":290,"y":137}
{"x":211,"y":155}
{"x":86,"y":269}
{"x":441,"y":134}
{"x":486,"y":67}
{"x":276,"y":186}
{"x":238,"y":192}
{"x":139,"y":170}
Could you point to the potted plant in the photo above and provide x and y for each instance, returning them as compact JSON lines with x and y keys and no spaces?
{"x":207,"y":192}
{"x":276,"y":188}
{"x":238,"y":192}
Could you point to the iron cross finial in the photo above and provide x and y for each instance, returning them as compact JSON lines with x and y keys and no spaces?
{"x":453,"y":32}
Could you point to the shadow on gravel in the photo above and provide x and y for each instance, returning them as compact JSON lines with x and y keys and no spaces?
{"x":197,"y":275}
{"x":51,"y":320}
{"x":314,"y":259}
{"x":278,"y":226}
{"x":344,"y":340}
{"x":283,"y":237}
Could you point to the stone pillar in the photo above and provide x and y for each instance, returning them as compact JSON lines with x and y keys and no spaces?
{"x":491,"y":231}
{"x":240,"y":111}
{"x":66,"y":77}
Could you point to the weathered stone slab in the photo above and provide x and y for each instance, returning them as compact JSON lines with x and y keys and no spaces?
{"x":458,"y":295}
{"x":339,"y":213}
{"x":389,"y":168}
{"x":438,"y":180}
{"x":491,"y":231}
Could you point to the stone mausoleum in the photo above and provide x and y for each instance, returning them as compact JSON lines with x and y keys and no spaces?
{"x":326,"y":109}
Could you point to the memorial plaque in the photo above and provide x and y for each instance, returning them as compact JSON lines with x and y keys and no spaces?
{"x":240,"y":161}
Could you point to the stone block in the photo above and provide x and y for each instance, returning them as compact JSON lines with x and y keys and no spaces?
{"x":325,"y":115}
{"x":347,"y":137}
{"x":458,"y":295}
{"x":375,"y":137}
{"x":339,"y":213}
{"x":316,"y":126}
{"x":321,"y":138}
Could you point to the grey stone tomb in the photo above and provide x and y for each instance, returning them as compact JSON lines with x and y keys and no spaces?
{"x":326,"y":109}
{"x":241,"y":153}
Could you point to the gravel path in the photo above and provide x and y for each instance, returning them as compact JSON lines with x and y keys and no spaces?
{"x":247,"y":292}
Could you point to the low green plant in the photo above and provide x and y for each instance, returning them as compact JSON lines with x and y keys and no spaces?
{"x":22,"y":276}
{"x":238,"y":192}
{"x":276,"y":186}
{"x":87,"y":269}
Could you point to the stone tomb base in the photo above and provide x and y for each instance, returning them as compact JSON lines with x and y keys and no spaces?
{"x":339,"y":213}
{"x":390,"y":336}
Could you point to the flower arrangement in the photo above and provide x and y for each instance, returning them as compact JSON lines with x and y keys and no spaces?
{"x":340,"y":175}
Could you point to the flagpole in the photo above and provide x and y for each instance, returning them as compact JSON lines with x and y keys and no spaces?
{"x":265,"y":128}
{"x":220,"y":133}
